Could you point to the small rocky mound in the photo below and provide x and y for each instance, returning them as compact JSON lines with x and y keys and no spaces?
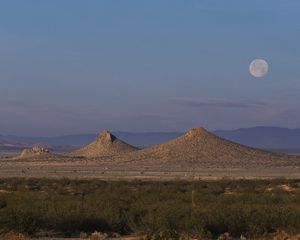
{"x":105,"y":145}
{"x":34,"y":152}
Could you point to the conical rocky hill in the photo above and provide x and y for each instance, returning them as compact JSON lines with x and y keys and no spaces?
{"x":106,"y":145}
{"x":199,"y":147}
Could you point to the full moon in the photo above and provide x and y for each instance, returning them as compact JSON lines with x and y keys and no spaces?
{"x":258,"y":68}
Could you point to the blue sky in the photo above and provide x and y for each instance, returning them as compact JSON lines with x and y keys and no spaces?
{"x":70,"y":66}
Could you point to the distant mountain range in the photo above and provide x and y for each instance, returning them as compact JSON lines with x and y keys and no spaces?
{"x":264,"y":137}
{"x":260,"y":137}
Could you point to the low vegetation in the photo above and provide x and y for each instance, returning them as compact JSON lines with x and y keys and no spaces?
{"x":200,"y":208}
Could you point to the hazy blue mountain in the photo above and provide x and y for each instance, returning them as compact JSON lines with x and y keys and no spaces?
{"x":264,"y":137}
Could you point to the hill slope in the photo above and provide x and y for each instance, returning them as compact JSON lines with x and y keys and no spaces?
{"x":199,"y":147}
{"x":105,"y":146}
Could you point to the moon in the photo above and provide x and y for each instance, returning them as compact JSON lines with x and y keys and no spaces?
{"x":258,"y":68}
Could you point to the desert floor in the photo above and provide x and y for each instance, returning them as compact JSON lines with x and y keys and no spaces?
{"x":70,"y":168}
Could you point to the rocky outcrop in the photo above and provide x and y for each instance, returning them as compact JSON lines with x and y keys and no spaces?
{"x":34,"y":152}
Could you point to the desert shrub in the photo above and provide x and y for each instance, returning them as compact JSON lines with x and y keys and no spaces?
{"x":21,"y":220}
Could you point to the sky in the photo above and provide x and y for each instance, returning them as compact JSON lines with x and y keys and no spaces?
{"x":74,"y":66}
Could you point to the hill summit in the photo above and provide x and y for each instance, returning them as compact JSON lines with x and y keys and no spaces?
{"x":105,"y":145}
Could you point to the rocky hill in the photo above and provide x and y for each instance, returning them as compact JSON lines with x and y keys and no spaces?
{"x":199,"y":147}
{"x":106,"y":145}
